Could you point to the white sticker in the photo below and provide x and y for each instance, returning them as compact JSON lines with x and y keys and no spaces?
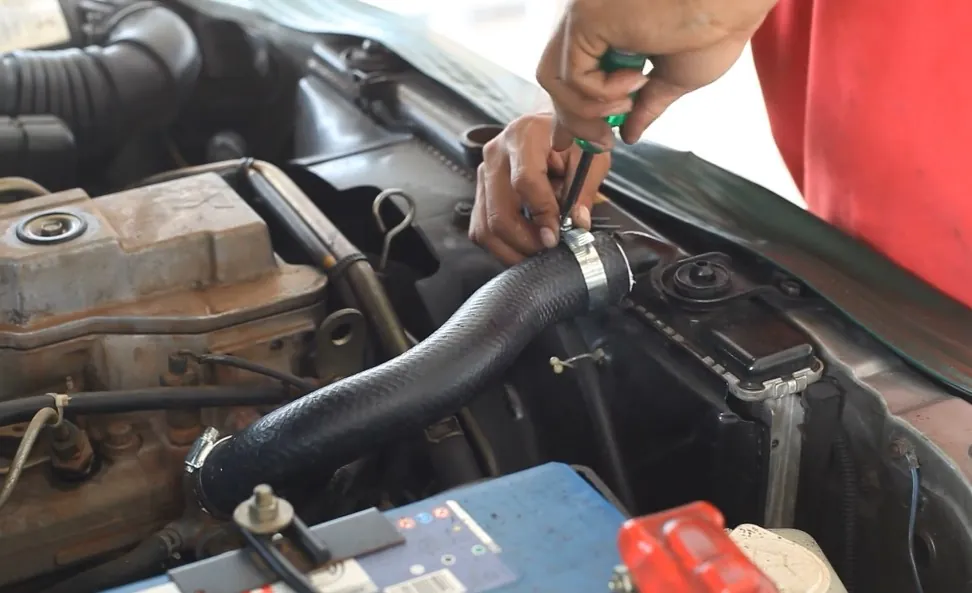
{"x":340,"y":577}
{"x":165,"y":588}
{"x":440,"y":581}
{"x":27,"y":24}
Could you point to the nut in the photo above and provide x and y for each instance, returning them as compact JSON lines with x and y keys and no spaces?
{"x":121,"y":439}
{"x":264,"y":513}
{"x":72,"y":456}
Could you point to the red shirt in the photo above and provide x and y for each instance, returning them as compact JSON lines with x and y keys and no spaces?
{"x":870,"y":103}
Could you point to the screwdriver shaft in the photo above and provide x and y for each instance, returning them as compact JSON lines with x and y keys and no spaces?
{"x":576,"y":185}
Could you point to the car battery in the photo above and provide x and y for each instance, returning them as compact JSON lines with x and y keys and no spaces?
{"x":547,"y":528}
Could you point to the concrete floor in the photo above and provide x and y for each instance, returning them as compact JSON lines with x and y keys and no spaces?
{"x":724,"y":123}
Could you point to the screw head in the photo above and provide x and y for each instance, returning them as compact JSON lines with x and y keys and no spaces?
{"x":790,"y":288}
{"x":51,"y":228}
{"x":621,"y":581}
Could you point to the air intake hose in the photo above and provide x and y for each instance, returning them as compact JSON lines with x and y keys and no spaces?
{"x":146,"y":69}
{"x":333,"y":425}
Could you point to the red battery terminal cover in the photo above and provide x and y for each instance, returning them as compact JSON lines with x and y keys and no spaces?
{"x":687,"y":550}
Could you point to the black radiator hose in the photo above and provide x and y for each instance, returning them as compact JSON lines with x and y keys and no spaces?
{"x":137,"y":80}
{"x":332,"y":426}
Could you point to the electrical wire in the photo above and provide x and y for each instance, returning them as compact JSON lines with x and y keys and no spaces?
{"x":40,"y":419}
{"x":294,"y":381}
{"x":912,"y":520}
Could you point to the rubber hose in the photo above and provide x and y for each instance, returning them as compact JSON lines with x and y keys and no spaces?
{"x":145,"y":560}
{"x":848,"y":508}
{"x":334,"y":425}
{"x":140,"y":400}
{"x":146,"y":69}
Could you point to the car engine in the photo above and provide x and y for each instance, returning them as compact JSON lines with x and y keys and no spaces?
{"x":102,"y":295}
{"x":234,"y":253}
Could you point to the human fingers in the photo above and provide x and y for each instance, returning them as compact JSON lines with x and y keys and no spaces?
{"x":657,"y":96}
{"x":579,"y":115}
{"x":580,"y":52}
{"x":479,"y":232}
{"x":529,"y":179}
{"x":677,"y":74}
{"x":504,"y":212}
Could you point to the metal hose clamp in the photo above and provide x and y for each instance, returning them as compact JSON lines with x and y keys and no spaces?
{"x":581,"y":244}
{"x":195,"y":459}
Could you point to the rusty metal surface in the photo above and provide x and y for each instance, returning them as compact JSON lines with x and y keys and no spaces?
{"x":43,"y":529}
{"x":50,"y":524}
{"x":185,"y":256}
{"x":184,"y":265}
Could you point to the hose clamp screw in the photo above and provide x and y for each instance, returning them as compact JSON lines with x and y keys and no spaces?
{"x":201,"y":449}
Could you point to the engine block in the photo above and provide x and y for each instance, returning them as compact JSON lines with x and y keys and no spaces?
{"x":95,"y":295}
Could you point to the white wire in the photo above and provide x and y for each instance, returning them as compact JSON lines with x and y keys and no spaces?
{"x":40,"y":419}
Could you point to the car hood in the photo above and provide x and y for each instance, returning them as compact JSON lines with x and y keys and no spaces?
{"x":924,"y":326}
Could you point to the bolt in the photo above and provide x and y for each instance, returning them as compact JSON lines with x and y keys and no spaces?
{"x":703,"y":272}
{"x":263,"y":505}
{"x":791,"y":288}
{"x":898,"y":448}
{"x":178,"y":364}
{"x":65,"y":442}
{"x":461,"y":213}
{"x":621,"y":581}
{"x":119,"y":434}
{"x":52,"y":228}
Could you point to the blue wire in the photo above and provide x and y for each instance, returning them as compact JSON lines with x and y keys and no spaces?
{"x":912,"y":519}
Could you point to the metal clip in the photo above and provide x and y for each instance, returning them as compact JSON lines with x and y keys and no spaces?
{"x":558,"y":365}
{"x":397,"y":229}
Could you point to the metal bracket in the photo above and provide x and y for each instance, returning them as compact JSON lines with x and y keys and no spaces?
{"x":581,"y":244}
{"x":340,"y":345}
{"x":265,"y":514}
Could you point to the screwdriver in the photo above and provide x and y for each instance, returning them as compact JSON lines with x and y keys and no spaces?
{"x":612,"y":61}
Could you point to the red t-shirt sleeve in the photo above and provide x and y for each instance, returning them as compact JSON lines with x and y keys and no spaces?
{"x":871,"y":107}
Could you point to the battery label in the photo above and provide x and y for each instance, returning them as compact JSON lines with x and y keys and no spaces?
{"x":27,"y":24}
{"x":440,"y":581}
{"x":445,"y":551}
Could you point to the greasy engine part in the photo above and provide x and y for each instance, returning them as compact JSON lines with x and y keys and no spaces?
{"x":96,"y":295}
{"x":318,"y":236}
{"x":145,"y":70}
{"x":335,"y":424}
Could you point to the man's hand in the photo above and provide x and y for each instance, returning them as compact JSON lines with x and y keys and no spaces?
{"x":520,"y":169}
{"x":690,"y":44}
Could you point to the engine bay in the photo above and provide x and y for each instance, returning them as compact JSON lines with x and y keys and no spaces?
{"x":250,"y":264}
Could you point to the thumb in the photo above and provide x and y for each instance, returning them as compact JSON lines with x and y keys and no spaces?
{"x":653,"y":99}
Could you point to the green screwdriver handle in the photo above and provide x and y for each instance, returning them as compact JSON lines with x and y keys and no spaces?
{"x":612,"y":61}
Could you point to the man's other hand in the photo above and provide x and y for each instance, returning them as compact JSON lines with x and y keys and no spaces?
{"x":521,"y":171}
{"x":689,"y":44}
